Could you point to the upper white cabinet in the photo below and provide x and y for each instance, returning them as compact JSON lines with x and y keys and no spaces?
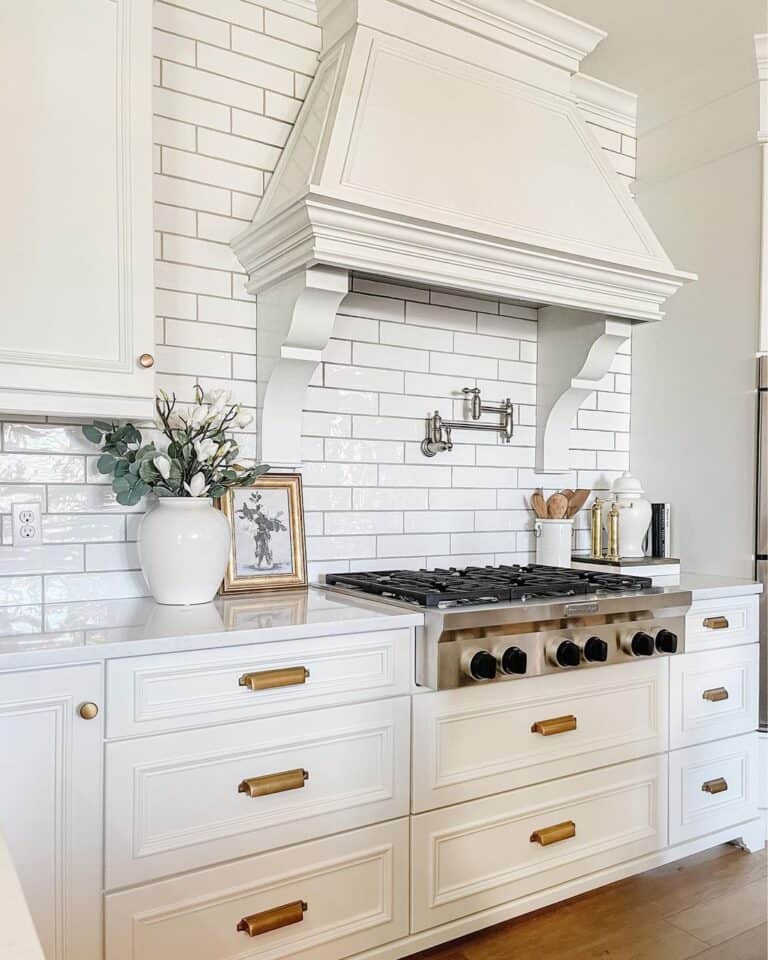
{"x":76,"y":299}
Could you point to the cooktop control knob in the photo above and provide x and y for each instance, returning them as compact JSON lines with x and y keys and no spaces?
{"x":595,"y":650}
{"x":482,"y":665}
{"x":642,"y":645}
{"x":666,"y":641}
{"x":568,"y":654}
{"x":513,"y":660}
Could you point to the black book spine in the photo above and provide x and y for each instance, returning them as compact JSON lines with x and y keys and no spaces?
{"x":658,"y":538}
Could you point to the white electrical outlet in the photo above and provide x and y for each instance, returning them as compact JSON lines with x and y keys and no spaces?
{"x":27,"y":524}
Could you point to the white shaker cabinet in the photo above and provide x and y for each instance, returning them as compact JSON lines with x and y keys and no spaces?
{"x":51,"y":801}
{"x":76,"y":299}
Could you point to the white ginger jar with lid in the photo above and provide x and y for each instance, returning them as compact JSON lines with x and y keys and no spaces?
{"x":634,"y":515}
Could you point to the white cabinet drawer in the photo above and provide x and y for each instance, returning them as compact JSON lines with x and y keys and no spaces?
{"x":355,"y":887}
{"x":712,"y":787}
{"x":476,"y":855}
{"x":177,"y":690}
{"x":173,"y":801}
{"x":721,"y":623}
{"x":475,"y":741}
{"x":713,"y":694}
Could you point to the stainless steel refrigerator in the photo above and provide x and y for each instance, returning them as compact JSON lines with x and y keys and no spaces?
{"x":761,"y":542}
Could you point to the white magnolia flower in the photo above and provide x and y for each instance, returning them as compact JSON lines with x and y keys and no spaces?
{"x":197,"y":416}
{"x":243,"y":419}
{"x":218,"y":399}
{"x":196,"y":486}
{"x":206,"y":449}
{"x":176,"y":421}
{"x":162,"y":465}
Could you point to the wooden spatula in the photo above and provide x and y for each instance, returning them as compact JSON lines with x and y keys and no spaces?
{"x":576,"y":501}
{"x":539,"y":505}
{"x":557,"y":506}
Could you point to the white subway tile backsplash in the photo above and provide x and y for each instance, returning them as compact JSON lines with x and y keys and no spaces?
{"x":363,"y":451}
{"x":437,"y":521}
{"x":94,"y":586}
{"x":372,"y":307}
{"x":446,"y":318}
{"x":381,"y":498}
{"x":364,"y":522}
{"x":363,"y":378}
{"x":231,"y":76}
{"x":394,"y":358}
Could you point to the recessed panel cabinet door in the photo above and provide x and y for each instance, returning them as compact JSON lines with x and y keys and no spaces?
{"x":76,"y":299}
{"x":51,"y":802}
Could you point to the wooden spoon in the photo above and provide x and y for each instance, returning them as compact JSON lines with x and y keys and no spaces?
{"x":539,"y":505}
{"x":576,"y":501}
{"x":557,"y":506}
{"x":567,"y":493}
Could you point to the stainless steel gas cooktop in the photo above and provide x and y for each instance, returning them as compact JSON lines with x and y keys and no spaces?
{"x":495,"y":624}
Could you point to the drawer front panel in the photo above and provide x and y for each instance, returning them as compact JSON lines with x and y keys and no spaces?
{"x":479,"y":854}
{"x":727,"y":622}
{"x":713,"y":694}
{"x":712,"y":787}
{"x":173,"y":691}
{"x":355,"y":887}
{"x":474,"y":741}
{"x":183,"y":800}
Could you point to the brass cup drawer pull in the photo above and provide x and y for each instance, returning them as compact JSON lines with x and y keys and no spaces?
{"x":715,"y":694}
{"x":548,"y":728}
{"x":266,"y":679}
{"x":715,"y":786}
{"x":716,"y":623}
{"x":554,"y":834}
{"x":274,"y":783}
{"x":273,"y":919}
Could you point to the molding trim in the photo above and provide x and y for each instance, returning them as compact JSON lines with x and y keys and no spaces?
{"x":321,"y":229}
{"x":761,"y":56}
{"x":295,"y":322}
{"x":522,"y":25}
{"x":575,"y":352}
{"x":604,"y":104}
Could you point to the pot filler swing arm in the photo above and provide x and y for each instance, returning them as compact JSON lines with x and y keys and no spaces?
{"x":439,"y":431}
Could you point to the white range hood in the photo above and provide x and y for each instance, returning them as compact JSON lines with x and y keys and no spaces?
{"x":444,"y":142}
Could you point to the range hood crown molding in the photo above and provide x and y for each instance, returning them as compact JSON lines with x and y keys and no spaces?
{"x":430,"y":149}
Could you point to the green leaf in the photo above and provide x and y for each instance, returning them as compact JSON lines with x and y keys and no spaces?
{"x":106,"y":463}
{"x":91,"y":432}
{"x":217,"y":490}
{"x":121,"y":468}
{"x":104,"y":425}
{"x":148,"y":471}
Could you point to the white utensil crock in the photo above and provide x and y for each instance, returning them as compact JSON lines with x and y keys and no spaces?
{"x":553,"y":542}
{"x":183,"y":549}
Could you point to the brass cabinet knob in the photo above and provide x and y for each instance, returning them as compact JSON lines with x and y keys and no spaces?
{"x":146,"y":360}
{"x":88,"y":711}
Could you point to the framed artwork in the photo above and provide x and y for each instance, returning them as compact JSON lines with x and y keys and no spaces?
{"x":267,"y":524}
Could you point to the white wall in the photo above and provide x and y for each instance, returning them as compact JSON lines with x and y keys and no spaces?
{"x":229,"y":79}
{"x":693,"y":390}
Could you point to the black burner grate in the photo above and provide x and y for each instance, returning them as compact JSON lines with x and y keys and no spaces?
{"x":475,"y":585}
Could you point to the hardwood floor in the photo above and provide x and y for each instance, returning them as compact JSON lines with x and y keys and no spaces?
{"x":711,"y":906}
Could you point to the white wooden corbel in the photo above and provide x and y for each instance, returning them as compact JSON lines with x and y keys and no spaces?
{"x":575,"y":351}
{"x":295,"y":319}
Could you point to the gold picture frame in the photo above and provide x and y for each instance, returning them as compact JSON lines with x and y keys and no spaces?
{"x":266,"y":519}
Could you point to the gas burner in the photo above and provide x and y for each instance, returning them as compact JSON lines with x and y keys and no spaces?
{"x":454,"y":587}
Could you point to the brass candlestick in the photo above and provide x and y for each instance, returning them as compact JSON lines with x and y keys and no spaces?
{"x":596,"y":521}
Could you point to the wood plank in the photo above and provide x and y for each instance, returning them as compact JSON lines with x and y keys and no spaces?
{"x":750,"y":945}
{"x":724,"y":918}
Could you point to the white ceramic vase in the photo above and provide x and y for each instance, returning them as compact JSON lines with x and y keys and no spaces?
{"x":183,"y":549}
{"x":634,"y":515}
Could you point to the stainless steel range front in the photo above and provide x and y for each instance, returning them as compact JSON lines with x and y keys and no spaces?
{"x":498,"y":624}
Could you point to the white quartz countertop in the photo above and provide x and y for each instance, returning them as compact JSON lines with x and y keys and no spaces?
{"x":706,"y":586}
{"x":102,"y":629}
